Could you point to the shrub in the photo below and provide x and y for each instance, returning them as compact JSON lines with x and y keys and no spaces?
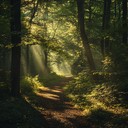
{"x":30,"y":84}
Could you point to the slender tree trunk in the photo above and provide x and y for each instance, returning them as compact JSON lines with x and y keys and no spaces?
{"x":115,"y":8}
{"x":46,"y":59}
{"x":124,"y":19}
{"x":47,"y":70}
{"x":119,"y":10}
{"x":27,"y":59}
{"x":90,"y":13}
{"x":16,"y":49}
{"x":80,"y":6}
{"x":105,"y":43}
{"x":34,"y":10}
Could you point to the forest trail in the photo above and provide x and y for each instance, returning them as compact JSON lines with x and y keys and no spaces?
{"x":57,"y":109}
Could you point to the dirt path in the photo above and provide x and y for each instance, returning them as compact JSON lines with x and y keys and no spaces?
{"x":57,"y":110}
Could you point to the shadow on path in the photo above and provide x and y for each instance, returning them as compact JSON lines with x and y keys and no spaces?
{"x":18,"y":113}
{"x":59,"y":112}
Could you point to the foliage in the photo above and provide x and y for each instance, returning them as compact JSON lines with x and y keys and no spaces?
{"x":79,"y":65}
{"x":51,"y":79}
{"x":89,"y":95}
{"x":30,"y":84}
{"x":80,"y":84}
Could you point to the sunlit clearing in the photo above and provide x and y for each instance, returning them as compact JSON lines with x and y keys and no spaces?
{"x":60,"y":67}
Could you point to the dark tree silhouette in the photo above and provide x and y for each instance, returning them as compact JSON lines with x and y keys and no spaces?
{"x":16,"y":49}
{"x":80,"y":6}
{"x":124,"y":3}
{"x":105,"y":43}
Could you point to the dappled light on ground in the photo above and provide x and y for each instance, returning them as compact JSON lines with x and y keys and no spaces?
{"x":61,"y":113}
{"x":48,"y":107}
{"x":47,"y":93}
{"x":58,"y":110}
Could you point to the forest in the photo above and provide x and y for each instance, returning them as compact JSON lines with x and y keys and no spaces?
{"x":63,"y":64}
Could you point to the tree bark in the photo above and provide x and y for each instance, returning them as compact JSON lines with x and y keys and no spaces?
{"x":115,"y":8}
{"x":34,"y":10}
{"x":105,"y":42}
{"x":80,"y":7}
{"x":90,"y":13}
{"x":28,"y":59}
{"x":124,"y":19}
{"x":15,"y":23}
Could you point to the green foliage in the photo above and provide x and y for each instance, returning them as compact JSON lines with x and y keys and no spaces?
{"x":119,"y":55}
{"x":80,"y":85}
{"x":51,"y":79}
{"x":79,"y":64}
{"x":89,"y":95}
{"x":104,"y":93}
{"x":30,"y":84}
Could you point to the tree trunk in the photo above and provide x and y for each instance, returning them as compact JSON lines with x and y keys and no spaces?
{"x":80,"y":6}
{"x":90,"y":13}
{"x":34,"y":10}
{"x":119,"y":10}
{"x":46,"y":59}
{"x":105,"y":43}
{"x":115,"y":8}
{"x":124,"y":19}
{"x":16,"y":49}
{"x":27,"y":59}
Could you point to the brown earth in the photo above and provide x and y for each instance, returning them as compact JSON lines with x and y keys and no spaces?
{"x":58,"y":110}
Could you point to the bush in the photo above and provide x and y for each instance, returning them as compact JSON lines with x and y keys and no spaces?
{"x":51,"y":79}
{"x":30,"y":84}
{"x":85,"y":93}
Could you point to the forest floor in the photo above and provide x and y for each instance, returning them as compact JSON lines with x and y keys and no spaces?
{"x":57,"y":109}
{"x":49,"y":107}
{"x":59,"y":112}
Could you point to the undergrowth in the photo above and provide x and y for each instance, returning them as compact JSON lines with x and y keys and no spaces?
{"x":51,"y":79}
{"x":30,"y":84}
{"x":94,"y":97}
{"x":19,"y":112}
{"x":24,"y":112}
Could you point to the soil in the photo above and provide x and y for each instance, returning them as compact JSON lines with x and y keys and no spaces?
{"x":57,"y":110}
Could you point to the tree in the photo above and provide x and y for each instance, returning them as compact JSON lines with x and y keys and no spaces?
{"x":124,"y":18}
{"x":105,"y":43}
{"x":80,"y":7}
{"x":15,"y":24}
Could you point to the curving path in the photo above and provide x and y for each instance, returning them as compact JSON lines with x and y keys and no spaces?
{"x":57,"y":110}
